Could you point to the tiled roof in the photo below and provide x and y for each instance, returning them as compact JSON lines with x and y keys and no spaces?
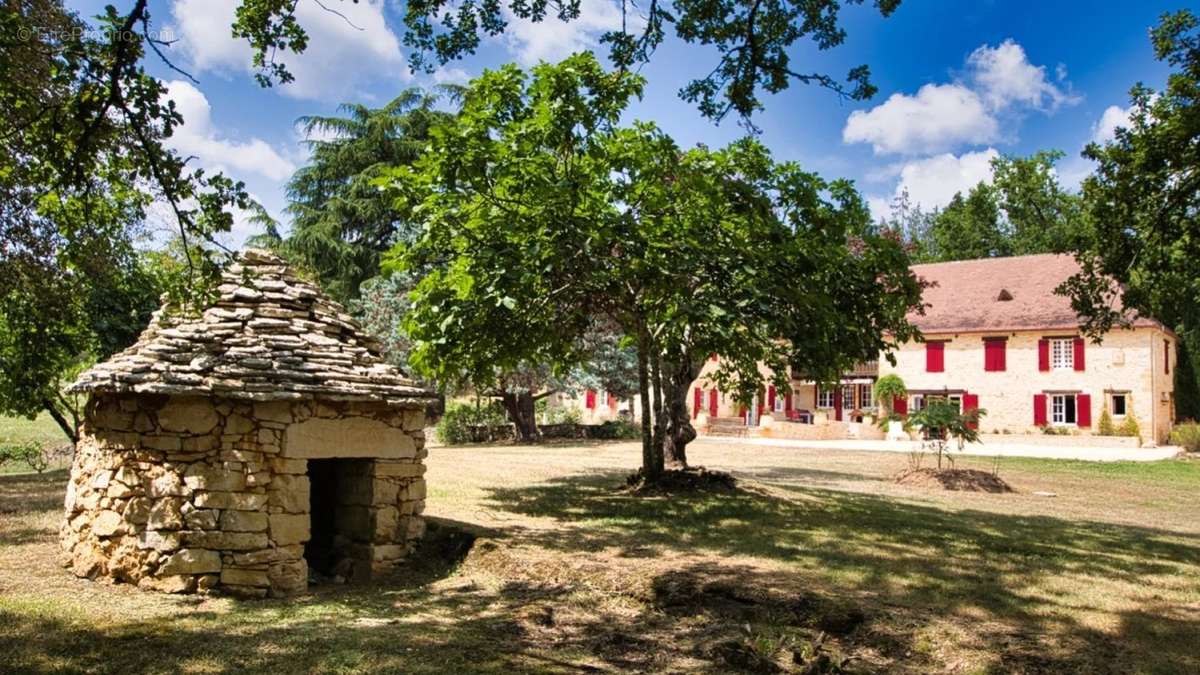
{"x":269,"y":336}
{"x":968,"y":295}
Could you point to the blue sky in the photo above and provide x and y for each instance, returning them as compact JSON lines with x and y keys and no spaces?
{"x":959,"y":82}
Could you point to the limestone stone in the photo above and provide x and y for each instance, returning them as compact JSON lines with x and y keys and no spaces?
{"x":385,"y":491}
{"x":269,"y":555}
{"x":166,"y":514}
{"x":243,"y":521}
{"x":168,"y":484}
{"x":191,"y":561}
{"x":399,"y":469}
{"x":242,"y":501}
{"x":385,"y":521}
{"x":137,"y":511}
{"x":291,"y":493}
{"x":118,"y":490}
{"x":188,"y":415}
{"x":128,"y":477}
{"x":244,"y":577}
{"x":101,"y":480}
{"x":160,"y":442}
{"x":176,"y":583}
{"x":318,"y":438}
{"x":201,"y":519}
{"x":207,"y":582}
{"x":225,"y":541}
{"x":273,"y":411}
{"x":106,"y":523}
{"x":200,"y":443}
{"x":202,"y":476}
{"x":289,"y":577}
{"x":291,"y":466}
{"x":288,"y":529}
{"x":159,"y":540}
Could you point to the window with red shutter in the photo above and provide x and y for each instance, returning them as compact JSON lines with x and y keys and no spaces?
{"x":787,"y":400}
{"x":771,"y":398}
{"x":1166,"y":357}
{"x":970,"y":402}
{"x":1043,"y":354}
{"x":935,"y":357}
{"x":1083,"y":410}
{"x":900,"y":406}
{"x":697,"y":401}
{"x":1079,"y":347}
{"x":712,"y":403}
{"x":994,"y":357}
{"x":837,"y":404}
{"x":1039,"y":410}
{"x":590,"y":399}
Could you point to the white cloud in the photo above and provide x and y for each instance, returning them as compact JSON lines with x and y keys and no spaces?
{"x":999,"y":82}
{"x":342,"y":52}
{"x":1105,"y":129}
{"x":931,"y":182}
{"x":197,"y":137}
{"x":444,"y":75}
{"x":552,"y":39}
{"x":939,"y":117}
{"x":1004,"y":77}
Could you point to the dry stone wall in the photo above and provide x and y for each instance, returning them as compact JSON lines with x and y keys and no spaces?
{"x":199,"y":494}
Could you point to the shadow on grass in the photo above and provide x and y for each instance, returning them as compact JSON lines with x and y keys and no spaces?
{"x":23,"y":492}
{"x":1037,"y":574}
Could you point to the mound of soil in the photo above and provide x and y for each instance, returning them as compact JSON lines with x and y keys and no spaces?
{"x":967,"y":480}
{"x":691,"y":479}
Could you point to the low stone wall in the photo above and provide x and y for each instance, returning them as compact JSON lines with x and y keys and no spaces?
{"x":828,"y":431}
{"x":1051,"y":440}
{"x":186,"y":494}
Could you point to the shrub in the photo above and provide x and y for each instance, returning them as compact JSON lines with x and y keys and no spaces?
{"x":887,"y":389}
{"x":1187,"y":436}
{"x":1105,"y":425}
{"x":461,"y":421}
{"x":1130,"y":427}
{"x":614,"y":429}
{"x":564,"y":415}
{"x":31,"y":454}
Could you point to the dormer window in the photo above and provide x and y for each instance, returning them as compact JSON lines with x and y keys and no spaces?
{"x":1004,"y":296}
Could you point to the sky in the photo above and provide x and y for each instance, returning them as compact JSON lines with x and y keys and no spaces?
{"x":959,"y":83}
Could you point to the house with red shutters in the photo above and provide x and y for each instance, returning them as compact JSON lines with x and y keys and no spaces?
{"x":996,"y":336}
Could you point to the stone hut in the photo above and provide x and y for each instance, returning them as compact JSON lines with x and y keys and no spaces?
{"x":237,"y":449}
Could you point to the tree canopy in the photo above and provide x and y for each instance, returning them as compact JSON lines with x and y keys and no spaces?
{"x":541,"y":214}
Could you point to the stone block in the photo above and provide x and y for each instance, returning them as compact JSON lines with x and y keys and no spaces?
{"x":288,"y":529}
{"x":201,"y":476}
{"x":195,"y":416}
{"x":288,"y":578}
{"x":269,"y":555}
{"x":415,"y":526}
{"x":206,"y":443}
{"x":414,"y":420}
{"x":242,"y":501}
{"x":399,"y":469}
{"x":159,"y":541}
{"x":384,"y":522}
{"x":160,"y":442}
{"x":384,"y":491}
{"x":175,"y":583}
{"x":290,"y":493}
{"x":191,"y":561}
{"x":106,"y":524}
{"x":166,"y":514}
{"x":273,"y":411}
{"x":201,"y":519}
{"x":168,"y":484}
{"x":118,"y":490}
{"x":225,"y":541}
{"x":238,"y":424}
{"x":244,"y":577}
{"x":137,"y":511}
{"x":243,"y":521}
{"x":289,"y":466}
{"x":319,"y":438}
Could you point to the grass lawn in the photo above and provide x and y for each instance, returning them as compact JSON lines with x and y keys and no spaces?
{"x":42,"y":429}
{"x":569,"y":574}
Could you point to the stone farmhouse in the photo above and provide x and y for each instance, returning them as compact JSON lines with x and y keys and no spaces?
{"x":240,"y":448}
{"x":998,"y":337}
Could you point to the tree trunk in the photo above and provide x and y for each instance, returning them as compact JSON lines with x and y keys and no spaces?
{"x":520,"y":409}
{"x":682,"y":372}
{"x":69,"y":429}
{"x":652,"y":467}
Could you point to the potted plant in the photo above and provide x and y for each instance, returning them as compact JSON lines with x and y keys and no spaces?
{"x":889,"y":389}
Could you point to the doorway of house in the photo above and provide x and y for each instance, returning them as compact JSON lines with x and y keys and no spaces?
{"x":320,"y":550}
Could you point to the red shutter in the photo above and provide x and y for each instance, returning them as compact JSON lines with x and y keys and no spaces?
{"x":1043,"y":355}
{"x":742,"y":413}
{"x":994,"y":359}
{"x":1083,"y":410}
{"x":900,"y":406}
{"x":713,"y":356}
{"x":970,"y":402}
{"x":771,"y":398}
{"x":935,"y":361}
{"x":612,"y":402}
{"x":590,"y":399}
{"x":1078,"y":353}
{"x":712,"y":403}
{"x":1166,"y":357}
{"x":697,"y":401}
{"x":837,"y":404}
{"x":1039,"y":409}
{"x":787,"y":400}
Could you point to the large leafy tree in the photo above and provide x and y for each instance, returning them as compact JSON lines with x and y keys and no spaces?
{"x":341,"y":221}
{"x":1143,"y":199}
{"x":1040,"y":215}
{"x":83,"y":155}
{"x":754,"y":40}
{"x":542,"y":215}
{"x":969,"y":227}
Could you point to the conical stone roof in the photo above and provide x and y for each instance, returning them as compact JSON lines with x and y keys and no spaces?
{"x":269,"y":336}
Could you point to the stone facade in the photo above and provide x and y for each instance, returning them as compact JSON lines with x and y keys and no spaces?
{"x":184,"y":494}
{"x":234,"y":448}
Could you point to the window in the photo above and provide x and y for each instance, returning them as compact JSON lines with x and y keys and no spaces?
{"x":779,"y":399}
{"x":1062,"y":354}
{"x":847,"y":397}
{"x":935,"y":357}
{"x":824,"y":398}
{"x":1166,"y":357}
{"x":865,"y":396}
{"x":1062,"y":409}
{"x":1119,"y":404}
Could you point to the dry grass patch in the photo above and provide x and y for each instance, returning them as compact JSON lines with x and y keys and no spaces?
{"x":540,"y":561}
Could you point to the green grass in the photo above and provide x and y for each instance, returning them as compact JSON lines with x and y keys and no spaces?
{"x":41,"y":429}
